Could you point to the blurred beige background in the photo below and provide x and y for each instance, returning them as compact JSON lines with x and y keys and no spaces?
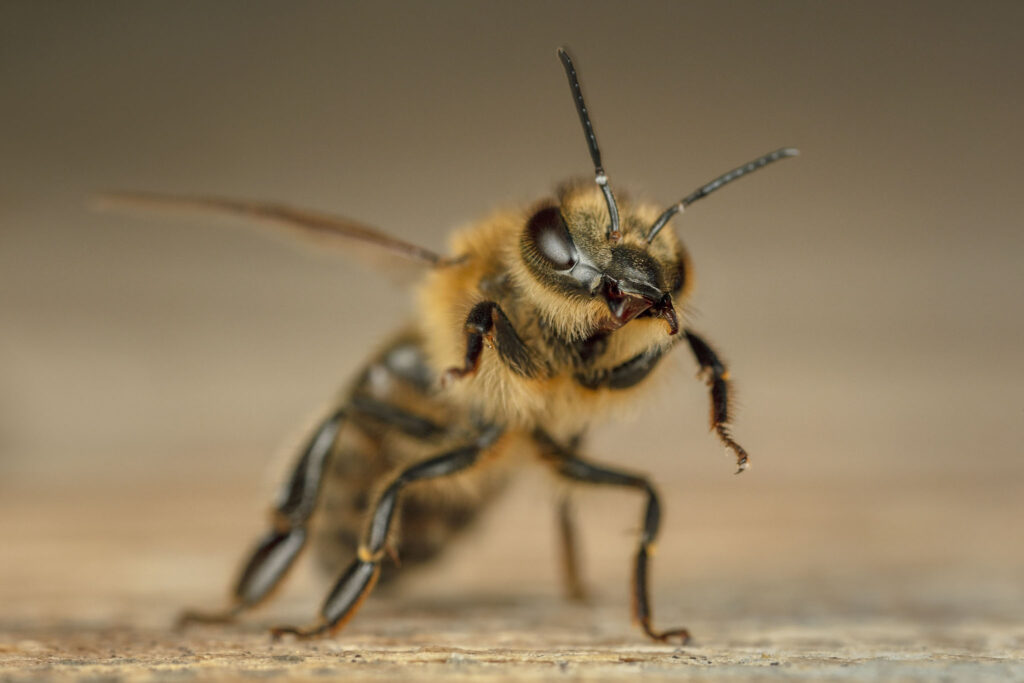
{"x":867,"y":295}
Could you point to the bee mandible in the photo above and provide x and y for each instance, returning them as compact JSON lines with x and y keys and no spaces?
{"x":543,"y":320}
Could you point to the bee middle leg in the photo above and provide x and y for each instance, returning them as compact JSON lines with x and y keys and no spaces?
{"x":361,"y":575}
{"x":568,"y":465}
{"x":276,"y":552}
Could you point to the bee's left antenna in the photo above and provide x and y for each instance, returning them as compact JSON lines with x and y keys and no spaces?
{"x":595,"y":153}
{"x":724,"y":179}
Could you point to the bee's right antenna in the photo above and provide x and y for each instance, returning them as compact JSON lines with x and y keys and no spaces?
{"x":715,"y":184}
{"x":600,"y":176}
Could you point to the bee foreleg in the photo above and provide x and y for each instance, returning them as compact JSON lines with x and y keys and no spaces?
{"x":276,"y":551}
{"x":716,"y":376}
{"x":487,"y":323}
{"x":361,"y":575}
{"x":572,"y":467}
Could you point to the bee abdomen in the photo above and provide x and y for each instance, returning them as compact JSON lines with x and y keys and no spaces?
{"x":397,"y":418}
{"x":428,"y":519}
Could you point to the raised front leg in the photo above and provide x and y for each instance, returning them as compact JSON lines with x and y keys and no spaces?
{"x":716,"y":375}
{"x":487,"y":323}
{"x":275,"y":553}
{"x":572,"y":467}
{"x":358,"y":580}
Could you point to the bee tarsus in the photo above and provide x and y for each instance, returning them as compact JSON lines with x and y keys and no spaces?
{"x":359,"y":579}
{"x":716,"y":376}
{"x":569,"y":465}
{"x":276,"y":552}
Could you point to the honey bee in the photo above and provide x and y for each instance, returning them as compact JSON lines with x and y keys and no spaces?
{"x":542,"y":320}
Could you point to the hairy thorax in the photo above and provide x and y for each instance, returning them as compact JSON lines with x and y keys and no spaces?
{"x":571,"y":345}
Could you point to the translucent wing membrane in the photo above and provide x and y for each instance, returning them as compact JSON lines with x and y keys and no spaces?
{"x":318,"y":227}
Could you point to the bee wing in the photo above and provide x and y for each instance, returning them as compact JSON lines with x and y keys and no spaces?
{"x":318,"y":228}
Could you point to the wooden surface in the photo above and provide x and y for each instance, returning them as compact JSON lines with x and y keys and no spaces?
{"x":529,"y":638}
{"x":90,"y":585}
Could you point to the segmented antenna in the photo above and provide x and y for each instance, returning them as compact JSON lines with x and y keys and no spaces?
{"x":715,"y":184}
{"x":595,"y":153}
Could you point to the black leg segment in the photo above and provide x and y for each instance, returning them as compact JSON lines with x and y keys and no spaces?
{"x":275,"y":553}
{"x":358,"y":580}
{"x":625,"y":375}
{"x":572,"y":467}
{"x":717,"y":378}
{"x":487,"y":323}
{"x":386,"y":414}
{"x":574,"y":588}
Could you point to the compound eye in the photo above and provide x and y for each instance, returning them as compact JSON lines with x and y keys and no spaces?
{"x":549,"y":234}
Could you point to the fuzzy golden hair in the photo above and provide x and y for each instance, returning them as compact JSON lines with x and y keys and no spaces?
{"x":491,"y":251}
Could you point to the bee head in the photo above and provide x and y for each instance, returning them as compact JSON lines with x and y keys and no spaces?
{"x":566,"y":250}
{"x":584,"y":247}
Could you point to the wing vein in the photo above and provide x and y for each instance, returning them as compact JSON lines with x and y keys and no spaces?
{"x":317,"y":226}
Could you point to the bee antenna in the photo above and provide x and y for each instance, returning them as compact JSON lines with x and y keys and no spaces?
{"x":715,"y":184}
{"x":595,"y":153}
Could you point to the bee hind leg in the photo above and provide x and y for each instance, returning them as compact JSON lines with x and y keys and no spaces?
{"x":276,"y":552}
{"x":568,"y":465}
{"x":359,"y":578}
{"x":572,"y":581}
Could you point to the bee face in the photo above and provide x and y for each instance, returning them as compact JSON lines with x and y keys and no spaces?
{"x":588,"y":250}
{"x":566,"y":250}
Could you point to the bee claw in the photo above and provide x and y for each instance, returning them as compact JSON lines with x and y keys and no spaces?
{"x":278,"y":632}
{"x":189,"y":617}
{"x":680,"y":634}
{"x":742,"y":463}
{"x":742,"y":460}
{"x":683,"y":635}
